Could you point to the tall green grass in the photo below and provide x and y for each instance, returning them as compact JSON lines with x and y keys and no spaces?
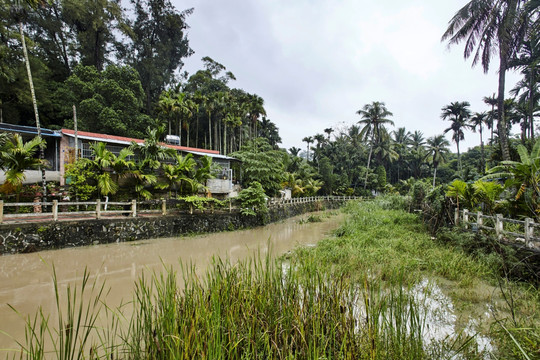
{"x":254,"y":309}
{"x":348,"y":298}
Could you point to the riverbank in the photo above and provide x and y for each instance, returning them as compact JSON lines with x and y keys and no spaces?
{"x":380,"y":288}
{"x":31,"y":237}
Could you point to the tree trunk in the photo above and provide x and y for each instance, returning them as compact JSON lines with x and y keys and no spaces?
{"x":368,"y":161}
{"x":483,"y":164}
{"x":531,"y":104}
{"x":210,"y":130}
{"x":197,"y":131}
{"x":458,"y":156}
{"x":34,"y":102}
{"x":434,"y":176}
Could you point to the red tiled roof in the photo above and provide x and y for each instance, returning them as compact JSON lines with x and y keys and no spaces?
{"x":106,"y":137}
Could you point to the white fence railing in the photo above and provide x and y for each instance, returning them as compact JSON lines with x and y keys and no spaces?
{"x":521,"y":231}
{"x":55,"y":210}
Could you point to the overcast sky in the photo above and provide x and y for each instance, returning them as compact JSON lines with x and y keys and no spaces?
{"x":316,"y":62}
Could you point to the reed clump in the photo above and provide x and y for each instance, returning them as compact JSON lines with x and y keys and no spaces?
{"x":348,"y":298}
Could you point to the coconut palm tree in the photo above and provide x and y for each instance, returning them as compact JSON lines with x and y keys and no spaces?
{"x":477,"y":122}
{"x":487,"y":26}
{"x":401,"y":139}
{"x":16,"y":156}
{"x":374,"y":117}
{"x":458,"y":113}
{"x":437,"y":150}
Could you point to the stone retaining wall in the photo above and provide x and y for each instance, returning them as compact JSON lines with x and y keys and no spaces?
{"x":30,"y":237}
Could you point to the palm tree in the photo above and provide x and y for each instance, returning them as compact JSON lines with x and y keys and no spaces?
{"x":16,"y":156}
{"x":152,"y":152}
{"x":294,"y":151}
{"x":477,"y":120}
{"x":437,"y":150}
{"x":101,"y":164}
{"x":167,"y":106}
{"x":374,"y":117}
{"x":199,"y":100}
{"x":308,"y":140}
{"x":492,"y":101}
{"x":256,"y":109}
{"x":296,"y":185}
{"x":177,"y":175}
{"x":528,"y":61}
{"x":401,"y":140}
{"x":488,"y":26}
{"x":328,"y":132}
{"x":521,"y":176}
{"x":458,"y":113}
{"x":417,"y":153}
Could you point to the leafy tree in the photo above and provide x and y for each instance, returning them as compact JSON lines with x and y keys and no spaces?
{"x":158,"y":43}
{"x":107,"y":102}
{"x":94,"y":23}
{"x":253,"y":200}
{"x":486,"y":27}
{"x":261,"y":163}
{"x":79,"y":178}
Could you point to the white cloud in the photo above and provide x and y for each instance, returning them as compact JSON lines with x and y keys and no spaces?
{"x":316,"y":62}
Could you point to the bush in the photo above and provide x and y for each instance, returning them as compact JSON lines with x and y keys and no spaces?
{"x":253,"y":200}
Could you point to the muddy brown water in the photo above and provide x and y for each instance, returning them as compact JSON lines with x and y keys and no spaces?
{"x":26,"y":279}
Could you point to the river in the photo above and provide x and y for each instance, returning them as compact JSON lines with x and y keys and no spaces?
{"x":26,"y":279}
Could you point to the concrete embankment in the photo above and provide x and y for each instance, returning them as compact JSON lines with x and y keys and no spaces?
{"x":30,"y":237}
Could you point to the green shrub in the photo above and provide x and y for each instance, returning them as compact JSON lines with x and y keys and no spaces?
{"x":253,"y":200}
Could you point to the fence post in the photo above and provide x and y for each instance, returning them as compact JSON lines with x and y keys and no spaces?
{"x":55,"y":210}
{"x":1,"y":211}
{"x":163,"y":207}
{"x":479,"y":220}
{"x":465,"y":217}
{"x":529,"y":229}
{"x":499,"y":225}
{"x":133,"y":208}
{"x":98,"y":209}
{"x":456,"y":216}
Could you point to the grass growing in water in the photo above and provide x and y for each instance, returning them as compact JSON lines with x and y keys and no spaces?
{"x":347,"y":298}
